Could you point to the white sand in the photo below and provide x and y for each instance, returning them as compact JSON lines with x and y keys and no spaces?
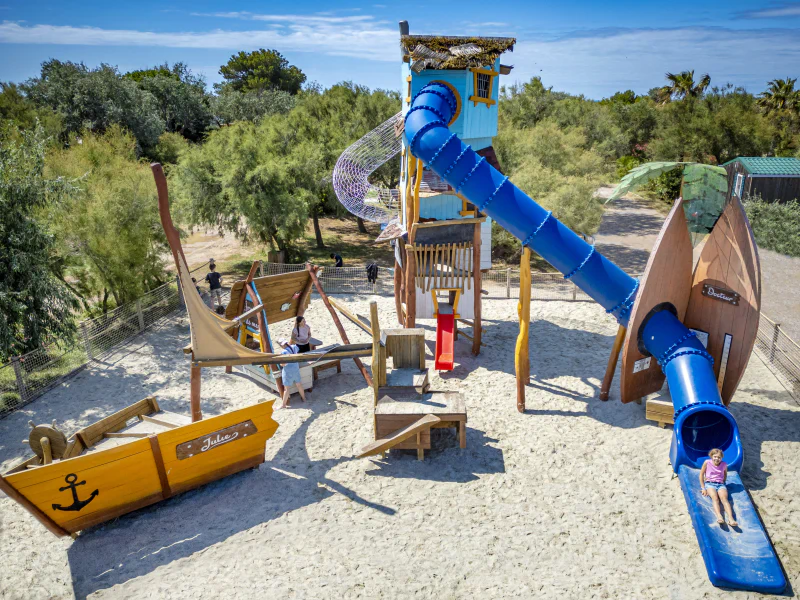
{"x":576,"y":498}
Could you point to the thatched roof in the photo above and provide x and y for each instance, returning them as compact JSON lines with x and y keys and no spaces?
{"x":488,"y":49}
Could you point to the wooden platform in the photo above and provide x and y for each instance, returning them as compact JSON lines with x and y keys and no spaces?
{"x":660,"y":411}
{"x":403,"y":408}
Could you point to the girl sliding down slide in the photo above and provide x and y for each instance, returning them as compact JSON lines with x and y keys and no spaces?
{"x":712,"y":483}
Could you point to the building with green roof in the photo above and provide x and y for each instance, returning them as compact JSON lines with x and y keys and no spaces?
{"x":775,"y":179}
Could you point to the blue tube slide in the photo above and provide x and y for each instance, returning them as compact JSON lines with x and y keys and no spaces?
{"x":702,"y":422}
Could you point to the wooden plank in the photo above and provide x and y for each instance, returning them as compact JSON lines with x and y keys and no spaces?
{"x":344,"y":351}
{"x":215,"y":439}
{"x":667,"y":278}
{"x":403,"y":346}
{"x":358,"y":320}
{"x":93,"y":433}
{"x":660,"y":411}
{"x":383,"y":444}
{"x":414,"y":378}
{"x":431,"y":402}
{"x":125,"y":434}
{"x":166,"y":492}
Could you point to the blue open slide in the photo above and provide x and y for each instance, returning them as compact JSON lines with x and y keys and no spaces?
{"x":742,"y":559}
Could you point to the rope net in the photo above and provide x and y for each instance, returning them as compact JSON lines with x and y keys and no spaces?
{"x":352,"y":171}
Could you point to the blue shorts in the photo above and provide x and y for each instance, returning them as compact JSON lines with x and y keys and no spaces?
{"x":716,"y":486}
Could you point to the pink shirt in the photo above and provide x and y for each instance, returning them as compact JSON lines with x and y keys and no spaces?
{"x":716,"y":474}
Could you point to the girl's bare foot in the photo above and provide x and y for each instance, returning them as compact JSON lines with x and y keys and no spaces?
{"x":733,"y":523}
{"x":720,"y":521}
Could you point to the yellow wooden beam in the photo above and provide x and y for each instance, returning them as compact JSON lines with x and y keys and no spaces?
{"x":521,"y":358}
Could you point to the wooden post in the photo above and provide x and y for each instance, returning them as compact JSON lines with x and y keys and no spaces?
{"x":508,"y":279}
{"x":521,"y":358}
{"x":476,"y":268}
{"x":411,"y":290}
{"x":140,"y":314}
{"x":194,"y":398}
{"x":612,"y":363}
{"x":21,"y":386}
{"x":12,"y":493}
{"x":378,"y":366}
{"x":398,"y":288}
{"x":312,"y":271}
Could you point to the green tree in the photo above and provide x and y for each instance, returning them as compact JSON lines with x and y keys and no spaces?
{"x":236,"y":182}
{"x":21,"y":112}
{"x":96,"y":99}
{"x":229,"y":105}
{"x":261,"y":70}
{"x":682,"y":86}
{"x":780,"y":96}
{"x":180,"y":97}
{"x":35,"y":307}
{"x":110,"y":240}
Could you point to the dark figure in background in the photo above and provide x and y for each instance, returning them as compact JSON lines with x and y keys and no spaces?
{"x":372,"y":273}
{"x":337,"y":260}
{"x":214,"y":280}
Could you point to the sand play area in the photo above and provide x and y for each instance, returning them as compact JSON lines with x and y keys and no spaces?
{"x":574,"y":499}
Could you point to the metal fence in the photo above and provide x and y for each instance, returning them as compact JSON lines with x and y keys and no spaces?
{"x":28,"y":377}
{"x":780,"y":353}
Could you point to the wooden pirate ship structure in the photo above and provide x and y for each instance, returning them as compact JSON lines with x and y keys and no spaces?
{"x":137,"y":456}
{"x":217,"y":341}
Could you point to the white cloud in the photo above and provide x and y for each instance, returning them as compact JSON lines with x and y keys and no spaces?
{"x":789,"y":9}
{"x":371,"y":41}
{"x":321,"y":18}
{"x":599,"y":63}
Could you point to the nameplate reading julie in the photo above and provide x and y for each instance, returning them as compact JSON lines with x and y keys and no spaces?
{"x":216,"y":439}
{"x":721,"y":294}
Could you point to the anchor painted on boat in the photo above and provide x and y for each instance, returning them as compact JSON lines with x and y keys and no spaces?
{"x":77,"y":504}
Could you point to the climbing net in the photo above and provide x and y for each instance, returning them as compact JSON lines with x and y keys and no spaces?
{"x":352,"y":171}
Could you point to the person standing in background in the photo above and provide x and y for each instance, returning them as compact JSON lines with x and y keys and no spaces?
{"x":338,"y":262}
{"x":214,"y":280}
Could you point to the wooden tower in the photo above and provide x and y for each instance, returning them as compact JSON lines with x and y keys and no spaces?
{"x":447,"y":243}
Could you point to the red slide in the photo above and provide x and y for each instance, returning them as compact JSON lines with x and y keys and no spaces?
{"x":445,"y":337}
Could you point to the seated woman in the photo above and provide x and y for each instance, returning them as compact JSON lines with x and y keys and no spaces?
{"x":301,"y":335}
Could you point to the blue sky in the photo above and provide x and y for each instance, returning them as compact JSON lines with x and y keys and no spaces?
{"x":579,"y":46}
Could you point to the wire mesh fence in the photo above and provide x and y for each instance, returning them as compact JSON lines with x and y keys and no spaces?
{"x":27,"y":377}
{"x":780,"y":353}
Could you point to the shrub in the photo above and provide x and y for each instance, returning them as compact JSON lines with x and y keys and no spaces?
{"x":776,"y":226}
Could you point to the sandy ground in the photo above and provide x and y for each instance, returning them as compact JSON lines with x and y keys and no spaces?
{"x":575,"y":498}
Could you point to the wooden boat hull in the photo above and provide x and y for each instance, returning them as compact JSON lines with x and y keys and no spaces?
{"x":76,"y":493}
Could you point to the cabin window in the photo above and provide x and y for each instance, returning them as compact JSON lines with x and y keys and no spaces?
{"x":408,"y":91}
{"x":738,"y":187}
{"x":482,"y":82}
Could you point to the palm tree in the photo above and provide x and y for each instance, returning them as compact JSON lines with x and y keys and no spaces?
{"x":780,"y":95}
{"x":682,"y":86}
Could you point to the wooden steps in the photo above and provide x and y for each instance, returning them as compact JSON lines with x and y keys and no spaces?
{"x":401,"y":435}
{"x":660,"y":411}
